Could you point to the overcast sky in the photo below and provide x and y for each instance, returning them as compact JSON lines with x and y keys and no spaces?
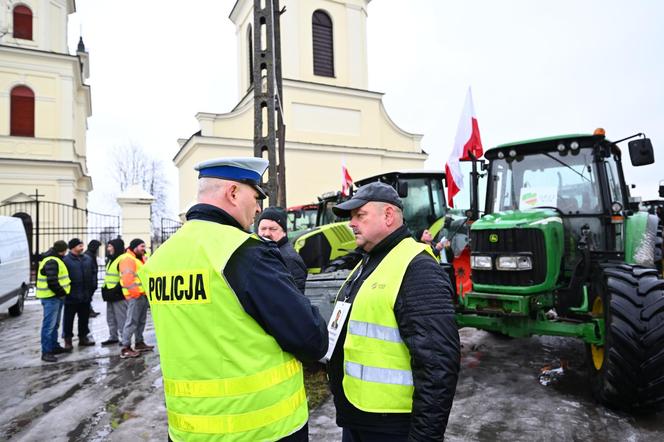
{"x":536,"y":69}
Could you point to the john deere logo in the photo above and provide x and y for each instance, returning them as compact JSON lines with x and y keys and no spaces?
{"x":493,"y":237}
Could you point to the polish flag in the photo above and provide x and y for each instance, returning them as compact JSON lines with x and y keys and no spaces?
{"x":467,"y":141}
{"x":346,"y":181}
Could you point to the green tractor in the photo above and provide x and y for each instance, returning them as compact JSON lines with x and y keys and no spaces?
{"x":562,"y":251}
{"x":331,"y":245}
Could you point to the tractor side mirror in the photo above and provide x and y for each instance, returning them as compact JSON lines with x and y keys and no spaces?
{"x":640,"y":152}
{"x":402,"y":188}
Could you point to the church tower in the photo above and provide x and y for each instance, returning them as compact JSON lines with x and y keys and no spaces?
{"x":330,"y":114}
{"x":44,"y":104}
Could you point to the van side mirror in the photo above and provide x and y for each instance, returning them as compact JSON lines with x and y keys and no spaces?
{"x":402,"y":188}
{"x":640,"y":152}
{"x":661,"y":189}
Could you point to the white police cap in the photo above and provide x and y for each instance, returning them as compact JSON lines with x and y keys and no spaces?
{"x":247,"y":170}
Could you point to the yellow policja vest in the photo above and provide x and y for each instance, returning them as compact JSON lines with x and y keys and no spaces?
{"x":41,"y":288}
{"x":225,"y":378}
{"x":377,"y":372}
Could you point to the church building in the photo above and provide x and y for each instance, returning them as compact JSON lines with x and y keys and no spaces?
{"x":44,"y":105}
{"x":330,"y":114}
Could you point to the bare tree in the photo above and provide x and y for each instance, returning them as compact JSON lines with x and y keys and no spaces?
{"x":131,"y":164}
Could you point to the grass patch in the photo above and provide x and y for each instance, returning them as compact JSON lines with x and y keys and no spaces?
{"x":315,"y":383}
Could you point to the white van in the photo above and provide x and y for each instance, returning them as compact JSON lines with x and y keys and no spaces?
{"x":14,"y":265}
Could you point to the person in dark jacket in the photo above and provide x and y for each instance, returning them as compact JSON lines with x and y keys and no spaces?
{"x":272,"y":225}
{"x":52,"y":303}
{"x":78,"y":300}
{"x":93,"y":251}
{"x":423,"y":315}
{"x":116,"y":304}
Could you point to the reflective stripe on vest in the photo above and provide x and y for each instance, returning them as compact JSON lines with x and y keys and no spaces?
{"x":390,"y":334}
{"x":237,"y":424}
{"x":225,"y":378}
{"x":136,"y":282}
{"x":112,"y":276}
{"x":41,"y":287}
{"x":378,"y":376}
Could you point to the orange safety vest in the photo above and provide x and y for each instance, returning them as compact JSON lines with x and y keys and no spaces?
{"x":129,"y":280}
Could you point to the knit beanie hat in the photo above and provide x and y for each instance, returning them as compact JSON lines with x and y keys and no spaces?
{"x":74,"y":242}
{"x":59,"y":246}
{"x":93,"y":246}
{"x":135,"y":243}
{"x":276,"y":214}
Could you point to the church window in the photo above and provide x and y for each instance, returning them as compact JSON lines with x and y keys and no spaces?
{"x":323,"y":45}
{"x":22,"y":120}
{"x":22,"y":22}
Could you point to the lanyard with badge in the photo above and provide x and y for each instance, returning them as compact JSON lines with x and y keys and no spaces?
{"x":338,"y":319}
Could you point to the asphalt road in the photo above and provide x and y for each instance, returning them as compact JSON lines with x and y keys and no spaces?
{"x":93,"y":395}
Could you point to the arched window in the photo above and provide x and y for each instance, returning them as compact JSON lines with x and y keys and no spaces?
{"x":323,"y":45}
{"x":250,"y":48}
{"x":22,"y":22}
{"x":22,"y":112}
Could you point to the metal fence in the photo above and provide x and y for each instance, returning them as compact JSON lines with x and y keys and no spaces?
{"x":168,"y":228}
{"x":46,"y":222}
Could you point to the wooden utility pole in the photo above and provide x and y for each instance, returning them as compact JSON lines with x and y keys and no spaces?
{"x":269,"y":128}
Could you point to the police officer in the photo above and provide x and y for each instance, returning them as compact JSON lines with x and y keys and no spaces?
{"x":231,"y":326}
{"x":394,"y":368}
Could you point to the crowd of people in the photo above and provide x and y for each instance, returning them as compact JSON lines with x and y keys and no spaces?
{"x":67,"y":278}
{"x":234,"y":327}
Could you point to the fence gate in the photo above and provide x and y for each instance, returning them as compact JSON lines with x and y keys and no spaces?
{"x":168,"y":228}
{"x":47,"y":221}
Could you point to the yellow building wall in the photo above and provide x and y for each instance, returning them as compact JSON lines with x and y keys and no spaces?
{"x":54,"y":160}
{"x":329,"y":120}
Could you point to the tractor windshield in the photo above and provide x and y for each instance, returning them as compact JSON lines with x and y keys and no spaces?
{"x":567,"y":181}
{"x":425,"y":202}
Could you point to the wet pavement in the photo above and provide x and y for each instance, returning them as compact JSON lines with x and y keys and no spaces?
{"x":93,"y":395}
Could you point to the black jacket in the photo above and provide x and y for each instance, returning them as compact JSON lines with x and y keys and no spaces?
{"x":92,"y":251}
{"x":50,"y":270}
{"x":258,"y":275}
{"x":82,"y":278}
{"x":425,"y":315}
{"x":294,"y":263}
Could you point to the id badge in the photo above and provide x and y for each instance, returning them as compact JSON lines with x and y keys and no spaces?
{"x":334,"y":327}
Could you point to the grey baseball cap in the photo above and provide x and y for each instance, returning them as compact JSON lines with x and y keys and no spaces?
{"x":375,"y":191}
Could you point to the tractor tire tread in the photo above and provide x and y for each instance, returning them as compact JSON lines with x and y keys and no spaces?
{"x":631,"y":377}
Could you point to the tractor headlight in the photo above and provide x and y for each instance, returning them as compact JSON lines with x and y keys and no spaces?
{"x":514,"y":263}
{"x":480,"y":262}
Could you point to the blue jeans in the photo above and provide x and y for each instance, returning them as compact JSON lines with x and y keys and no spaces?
{"x":50,"y":324}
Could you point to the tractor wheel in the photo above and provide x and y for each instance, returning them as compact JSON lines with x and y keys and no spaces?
{"x":628,"y":371}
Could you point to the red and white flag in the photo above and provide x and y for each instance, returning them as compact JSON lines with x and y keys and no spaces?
{"x":467,"y":141}
{"x":346,"y":181}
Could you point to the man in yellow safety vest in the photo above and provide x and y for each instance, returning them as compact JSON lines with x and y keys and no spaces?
{"x":231,"y":325}
{"x":53,"y":284}
{"x":393,"y":369}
